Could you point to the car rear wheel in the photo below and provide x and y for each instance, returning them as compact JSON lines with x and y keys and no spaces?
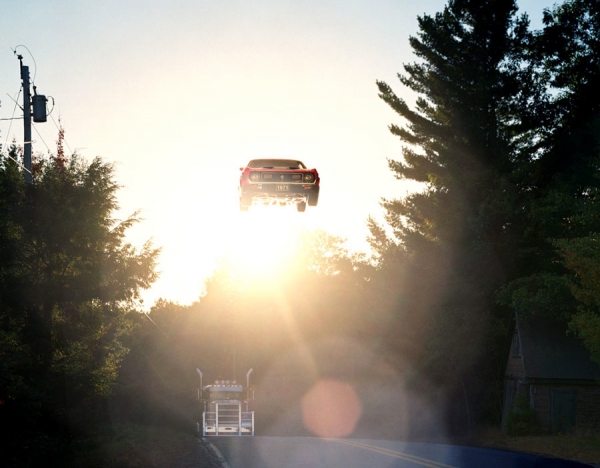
{"x":245,"y":201}
{"x":301,"y":207}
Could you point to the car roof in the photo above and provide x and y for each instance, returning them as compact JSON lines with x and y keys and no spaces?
{"x":273,"y":163}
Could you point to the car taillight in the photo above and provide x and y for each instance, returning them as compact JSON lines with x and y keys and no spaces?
{"x":308,"y":177}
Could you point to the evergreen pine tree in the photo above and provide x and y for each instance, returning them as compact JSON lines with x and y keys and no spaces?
{"x":462,"y":141}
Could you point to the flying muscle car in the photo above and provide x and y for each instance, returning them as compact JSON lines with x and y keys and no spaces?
{"x":278,"y":182}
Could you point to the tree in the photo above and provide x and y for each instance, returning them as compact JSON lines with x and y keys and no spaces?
{"x":67,"y":280}
{"x":462,"y":142}
{"x":560,"y":181}
{"x":505,"y":140}
{"x":582,"y":258}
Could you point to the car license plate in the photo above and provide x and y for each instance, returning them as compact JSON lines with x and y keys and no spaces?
{"x":282,"y":188}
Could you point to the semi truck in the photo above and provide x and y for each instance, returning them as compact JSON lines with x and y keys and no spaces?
{"x":225,"y":407}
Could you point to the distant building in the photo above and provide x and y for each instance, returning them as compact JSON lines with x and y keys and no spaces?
{"x":553,"y":370}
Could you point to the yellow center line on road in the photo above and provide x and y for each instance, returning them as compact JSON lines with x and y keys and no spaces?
{"x":394,"y":453}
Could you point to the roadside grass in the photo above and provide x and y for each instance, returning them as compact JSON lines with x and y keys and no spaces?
{"x":134,"y":446}
{"x":581,"y":445}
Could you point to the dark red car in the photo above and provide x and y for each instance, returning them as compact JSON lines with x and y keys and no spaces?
{"x":278,"y":182}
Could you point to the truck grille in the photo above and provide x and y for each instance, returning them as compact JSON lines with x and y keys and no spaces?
{"x":229,"y":415}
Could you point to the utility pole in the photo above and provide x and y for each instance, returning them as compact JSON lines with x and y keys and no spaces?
{"x":26,"y":121}
{"x":39,"y":115}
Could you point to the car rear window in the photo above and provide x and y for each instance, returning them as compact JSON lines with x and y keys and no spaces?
{"x":276,"y":163}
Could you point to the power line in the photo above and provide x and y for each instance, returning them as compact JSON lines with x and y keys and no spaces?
{"x":41,"y":137}
{"x":12,"y":98}
{"x":14,"y":110}
{"x":6,"y":42}
{"x":19,"y":164}
{"x":147,"y":314}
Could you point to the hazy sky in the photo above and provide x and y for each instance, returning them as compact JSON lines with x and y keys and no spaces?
{"x":179,"y":94}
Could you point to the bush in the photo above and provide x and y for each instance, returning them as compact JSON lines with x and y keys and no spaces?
{"x":522,"y":420}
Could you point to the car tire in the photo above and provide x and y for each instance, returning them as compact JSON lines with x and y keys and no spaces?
{"x":301,"y":207}
{"x":313,"y":199}
{"x":245,"y":201}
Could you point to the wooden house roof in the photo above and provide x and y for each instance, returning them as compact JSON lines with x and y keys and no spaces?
{"x":550,"y":353}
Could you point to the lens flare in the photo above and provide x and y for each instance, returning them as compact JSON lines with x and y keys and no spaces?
{"x":331,"y":409}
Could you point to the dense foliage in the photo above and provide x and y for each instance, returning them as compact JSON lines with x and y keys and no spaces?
{"x":560,"y":184}
{"x":68,"y":280}
{"x":462,"y":143}
{"x":504,"y":138}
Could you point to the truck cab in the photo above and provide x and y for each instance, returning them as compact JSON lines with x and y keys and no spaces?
{"x":226,"y":409}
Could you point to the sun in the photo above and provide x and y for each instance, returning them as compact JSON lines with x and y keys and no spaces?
{"x":263,"y":241}
{"x":263,"y":245}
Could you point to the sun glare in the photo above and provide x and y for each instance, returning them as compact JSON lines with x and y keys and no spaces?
{"x":263,"y":241}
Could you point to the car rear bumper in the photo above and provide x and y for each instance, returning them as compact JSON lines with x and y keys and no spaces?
{"x":268,"y":193}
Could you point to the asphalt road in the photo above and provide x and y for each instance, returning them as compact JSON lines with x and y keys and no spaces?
{"x":311,"y":452}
